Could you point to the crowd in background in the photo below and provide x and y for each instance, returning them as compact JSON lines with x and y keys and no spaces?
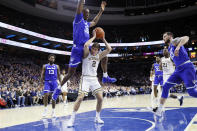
{"x":20,"y":80}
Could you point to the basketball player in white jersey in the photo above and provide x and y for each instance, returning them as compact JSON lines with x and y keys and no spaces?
{"x":168,"y":68}
{"x":89,"y":80}
{"x":64,"y":88}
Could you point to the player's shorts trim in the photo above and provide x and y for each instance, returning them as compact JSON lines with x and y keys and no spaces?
{"x":46,"y":91}
{"x":96,"y":91}
{"x":74,"y":64}
{"x":82,"y":92}
{"x":184,"y":63}
{"x":190,"y":87}
{"x":171,"y":83}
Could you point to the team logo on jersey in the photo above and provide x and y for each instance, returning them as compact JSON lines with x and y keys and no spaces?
{"x":86,"y":28}
{"x":93,"y":58}
{"x":51,"y":68}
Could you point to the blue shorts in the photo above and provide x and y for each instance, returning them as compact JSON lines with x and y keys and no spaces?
{"x":50,"y":86}
{"x":185,"y":73}
{"x":76,"y":56}
{"x":158,"y":80}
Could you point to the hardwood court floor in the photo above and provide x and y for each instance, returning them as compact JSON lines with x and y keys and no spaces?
{"x":134,"y":103}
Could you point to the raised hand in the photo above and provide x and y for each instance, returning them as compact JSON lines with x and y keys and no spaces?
{"x":103,"y":4}
{"x":94,"y":33}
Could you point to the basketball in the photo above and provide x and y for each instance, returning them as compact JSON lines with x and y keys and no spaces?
{"x":99,"y":33}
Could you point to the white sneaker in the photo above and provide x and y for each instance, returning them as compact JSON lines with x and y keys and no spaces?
{"x":70,"y":123}
{"x":98,"y":120}
{"x":44,"y":114}
{"x":159,"y":112}
{"x":53,"y":114}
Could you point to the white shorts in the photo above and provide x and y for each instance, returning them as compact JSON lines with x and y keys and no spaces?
{"x":89,"y":83}
{"x":165,"y":78}
{"x":64,"y":88}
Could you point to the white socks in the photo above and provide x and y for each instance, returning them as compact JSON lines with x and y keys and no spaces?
{"x":59,"y":87}
{"x":65,"y":100}
{"x":160,"y":106}
{"x":105,"y":74}
{"x":179,"y":97}
{"x":155,"y":102}
{"x":73,"y":115}
{"x":97,"y":114}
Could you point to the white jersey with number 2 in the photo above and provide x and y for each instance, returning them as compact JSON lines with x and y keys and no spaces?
{"x":90,"y":65}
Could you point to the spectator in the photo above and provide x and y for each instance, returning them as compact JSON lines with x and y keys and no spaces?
{"x":34,"y":96}
{"x":13,"y":96}
{"x":20,"y":97}
{"x":28,"y":97}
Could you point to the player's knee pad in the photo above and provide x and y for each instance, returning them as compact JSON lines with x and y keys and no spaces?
{"x":165,"y":90}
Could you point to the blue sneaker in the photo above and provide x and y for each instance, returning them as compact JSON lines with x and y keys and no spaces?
{"x":56,"y":93}
{"x":108,"y":80}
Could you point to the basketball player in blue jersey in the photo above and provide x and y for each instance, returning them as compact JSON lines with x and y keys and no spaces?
{"x":168,"y":67}
{"x":50,"y":75}
{"x":184,"y":71}
{"x":158,"y":80}
{"x":80,"y":37}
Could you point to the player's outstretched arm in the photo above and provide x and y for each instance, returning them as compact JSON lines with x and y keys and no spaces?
{"x":178,"y":42}
{"x":107,"y":50}
{"x":80,"y":6}
{"x":42,"y":74}
{"x":87,"y":44}
{"x":97,"y":17}
{"x":58,"y":73}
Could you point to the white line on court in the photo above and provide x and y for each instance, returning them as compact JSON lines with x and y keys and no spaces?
{"x":187,"y":128}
